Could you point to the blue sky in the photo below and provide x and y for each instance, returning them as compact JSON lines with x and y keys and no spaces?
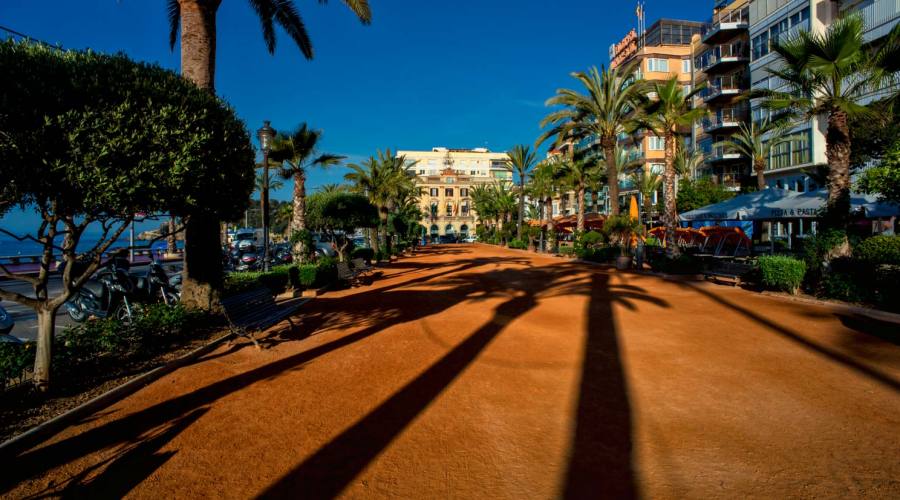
{"x":468,"y":73}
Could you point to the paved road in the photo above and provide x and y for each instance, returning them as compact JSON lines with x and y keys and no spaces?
{"x":25,"y":318}
{"x":478,"y":372}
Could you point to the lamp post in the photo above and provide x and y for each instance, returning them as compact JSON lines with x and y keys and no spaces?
{"x":265,"y":135}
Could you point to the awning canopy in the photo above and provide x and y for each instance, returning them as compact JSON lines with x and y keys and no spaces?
{"x":742,"y":207}
{"x":775,"y":204}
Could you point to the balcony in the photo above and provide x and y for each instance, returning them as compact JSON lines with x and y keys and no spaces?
{"x":729,"y":118}
{"x":634,"y":155}
{"x":725,"y":25}
{"x":879,"y":16}
{"x":724,"y":87}
{"x":726,"y":57}
{"x":718,"y":154}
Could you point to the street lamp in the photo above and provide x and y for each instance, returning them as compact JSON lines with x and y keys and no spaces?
{"x":265,"y":135}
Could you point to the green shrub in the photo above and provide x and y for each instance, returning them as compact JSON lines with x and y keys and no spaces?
{"x":326,"y":272}
{"x":307,"y":275}
{"x":519,"y":244}
{"x":567,"y":250}
{"x":598,"y":254}
{"x":276,"y":280}
{"x":14,"y":360}
{"x":652,"y":241}
{"x":815,"y":248}
{"x":591,"y":239}
{"x":782,"y":273}
{"x":879,"y":250}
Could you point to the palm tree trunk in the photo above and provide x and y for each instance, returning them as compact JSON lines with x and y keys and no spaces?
{"x":171,"y":243}
{"x":760,"y":167}
{"x":669,"y":180}
{"x":551,"y":243}
{"x":521,"y":206}
{"x":579,"y":217}
{"x":202,"y":275}
{"x":612,"y":176}
{"x":837,"y":150}
{"x":298,"y":216}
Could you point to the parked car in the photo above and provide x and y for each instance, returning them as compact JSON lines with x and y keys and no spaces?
{"x":470,"y":239}
{"x":324,"y":248}
{"x":6,"y":322}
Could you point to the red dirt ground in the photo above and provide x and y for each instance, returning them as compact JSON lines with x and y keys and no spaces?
{"x":477,"y":372}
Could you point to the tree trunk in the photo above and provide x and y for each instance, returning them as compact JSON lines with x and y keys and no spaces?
{"x":198,"y":41}
{"x":46,"y":319}
{"x":551,"y":243}
{"x":202,"y":275}
{"x":383,"y":216}
{"x":521,"y":206}
{"x":759,"y":166}
{"x":612,"y":176}
{"x":171,"y":242}
{"x":837,"y":150}
{"x":669,"y":181}
{"x":298,"y":216}
{"x":579,"y":216}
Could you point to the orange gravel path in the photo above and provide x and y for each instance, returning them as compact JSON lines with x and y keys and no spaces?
{"x":478,"y":372}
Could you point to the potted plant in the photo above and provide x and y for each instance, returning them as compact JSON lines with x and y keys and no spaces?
{"x":621,"y":229}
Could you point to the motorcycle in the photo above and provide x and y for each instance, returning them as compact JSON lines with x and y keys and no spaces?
{"x":157,"y":285}
{"x":248,"y":262}
{"x":108,"y":295}
{"x":6,"y":323}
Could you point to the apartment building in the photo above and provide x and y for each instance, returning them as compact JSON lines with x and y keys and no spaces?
{"x":446,"y":177}
{"x":721,"y":64}
{"x":664,"y":50}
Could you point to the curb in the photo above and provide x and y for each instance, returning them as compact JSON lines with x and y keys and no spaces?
{"x":41,"y":432}
{"x":864,"y":311}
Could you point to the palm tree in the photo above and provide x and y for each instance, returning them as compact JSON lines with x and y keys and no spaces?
{"x":604,"y":112}
{"x":274,"y":183}
{"x":580,"y":172}
{"x":756,"y":142}
{"x":484,"y":204}
{"x":297,"y":153}
{"x":384,"y":179}
{"x":542,"y":188}
{"x":667,"y":116}
{"x":521,"y":160}
{"x":646,"y":183}
{"x":333,"y":188}
{"x":827,"y":75}
{"x":197,"y":20}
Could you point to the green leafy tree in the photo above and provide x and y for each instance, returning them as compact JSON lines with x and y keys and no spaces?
{"x":88,"y":141}
{"x":296,"y":153}
{"x":696,"y":193}
{"x":197,"y":22}
{"x":884,"y":178}
{"x":647,"y":183}
{"x":668,"y":115}
{"x":336,"y":215}
{"x":605,"y":110}
{"x":542,"y":188}
{"x":580,"y":172}
{"x":521,"y":160}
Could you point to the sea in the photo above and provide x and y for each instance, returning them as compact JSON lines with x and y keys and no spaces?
{"x":10,"y":247}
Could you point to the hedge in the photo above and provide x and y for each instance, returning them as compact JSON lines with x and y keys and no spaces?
{"x":367,"y":254}
{"x":879,"y":250}
{"x":781,"y":273}
{"x":683,"y":264}
{"x":518,"y":244}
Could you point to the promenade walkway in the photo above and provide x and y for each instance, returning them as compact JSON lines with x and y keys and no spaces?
{"x":478,"y":372}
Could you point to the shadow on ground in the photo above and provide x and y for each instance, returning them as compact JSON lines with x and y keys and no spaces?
{"x":600,"y":463}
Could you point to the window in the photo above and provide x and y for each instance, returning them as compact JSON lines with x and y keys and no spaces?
{"x":656,"y":143}
{"x":655,"y":64}
{"x":465,"y":210}
{"x":449,"y":209}
{"x":760,"y":45}
{"x":686,"y":89}
{"x":685,"y":65}
{"x":433,"y":191}
{"x":448,"y":192}
{"x":473,"y":172}
{"x":422,"y":172}
{"x":463,"y":192}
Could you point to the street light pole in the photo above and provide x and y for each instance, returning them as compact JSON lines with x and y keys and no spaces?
{"x":265,"y":135}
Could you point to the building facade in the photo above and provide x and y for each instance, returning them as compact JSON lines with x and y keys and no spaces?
{"x":446,"y":178}
{"x":664,"y":50}
{"x":721,"y":65}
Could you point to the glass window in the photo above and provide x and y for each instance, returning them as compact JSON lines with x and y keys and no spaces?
{"x":449,"y":209}
{"x":685,"y":65}
{"x":656,"y":64}
{"x":464,"y":192}
{"x":656,"y":143}
{"x":448,"y":192}
{"x":422,"y":172}
{"x":434,"y":192}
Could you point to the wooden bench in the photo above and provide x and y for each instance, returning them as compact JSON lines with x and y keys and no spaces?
{"x":360,"y":266}
{"x":733,"y":272}
{"x":256,"y":310}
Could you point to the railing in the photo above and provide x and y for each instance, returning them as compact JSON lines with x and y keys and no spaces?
{"x":877,"y":12}
{"x":724,"y":84}
{"x":739,"y":16}
{"x":725,"y":117}
{"x":720,"y":52}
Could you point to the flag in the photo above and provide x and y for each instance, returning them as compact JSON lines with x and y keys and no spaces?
{"x":639,"y":11}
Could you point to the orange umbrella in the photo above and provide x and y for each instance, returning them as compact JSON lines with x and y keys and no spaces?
{"x":634,"y":214}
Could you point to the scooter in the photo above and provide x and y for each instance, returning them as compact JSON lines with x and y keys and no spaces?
{"x":109,"y":295}
{"x":156,"y":285}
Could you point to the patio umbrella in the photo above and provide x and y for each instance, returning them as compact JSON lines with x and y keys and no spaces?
{"x":750,"y":206}
{"x":811,"y":203}
{"x":634,"y":214}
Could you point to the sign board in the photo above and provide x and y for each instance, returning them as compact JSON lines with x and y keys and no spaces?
{"x":623,"y":50}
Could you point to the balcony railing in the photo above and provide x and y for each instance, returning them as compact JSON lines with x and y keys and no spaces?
{"x":876,"y":15}
{"x":728,"y":117}
{"x":726,"y":21}
{"x":725,"y":85}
